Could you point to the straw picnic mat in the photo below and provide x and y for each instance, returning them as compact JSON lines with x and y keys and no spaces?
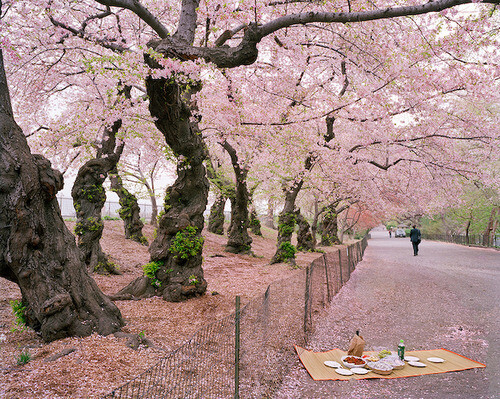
{"x":313,"y":362}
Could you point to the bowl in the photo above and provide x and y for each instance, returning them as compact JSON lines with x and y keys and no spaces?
{"x":353,"y":361}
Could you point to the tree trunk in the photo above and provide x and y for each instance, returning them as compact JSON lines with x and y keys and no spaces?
{"x":255,"y":223}
{"x":329,"y":231}
{"x":238,"y":239}
{"x":314,"y":225}
{"x":304,"y":237}
{"x":285,"y":251}
{"x":488,"y":232}
{"x":88,"y":199}
{"x":154,"y":210}
{"x":467,"y":229}
{"x":37,"y":251}
{"x":269,"y":222}
{"x":129,"y":209}
{"x":175,"y":271}
{"x":216,"y":218}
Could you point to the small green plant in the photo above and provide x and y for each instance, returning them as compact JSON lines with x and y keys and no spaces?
{"x":193,"y":280}
{"x":187,"y":243}
{"x":285,"y":229}
{"x":287,"y":250}
{"x":150,"y":270}
{"x":24,"y":357}
{"x":19,"y":310}
{"x":142,"y":334}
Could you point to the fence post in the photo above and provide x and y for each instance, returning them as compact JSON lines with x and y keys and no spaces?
{"x":307,"y":301}
{"x":340,"y":264}
{"x":237,"y":349}
{"x":327,"y":279}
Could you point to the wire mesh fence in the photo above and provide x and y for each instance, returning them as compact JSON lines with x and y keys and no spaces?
{"x":110,"y":208}
{"x":247,"y":354}
{"x":472,"y":239}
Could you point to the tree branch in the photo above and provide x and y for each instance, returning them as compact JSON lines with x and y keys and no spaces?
{"x":142,"y":12}
{"x":362,"y":16}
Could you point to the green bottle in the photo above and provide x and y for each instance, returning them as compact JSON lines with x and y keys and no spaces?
{"x":401,"y":350}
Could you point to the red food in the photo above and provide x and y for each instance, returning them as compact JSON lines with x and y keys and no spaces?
{"x":354,"y":360}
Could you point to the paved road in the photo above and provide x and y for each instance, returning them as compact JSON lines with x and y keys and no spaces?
{"x":447,"y":297}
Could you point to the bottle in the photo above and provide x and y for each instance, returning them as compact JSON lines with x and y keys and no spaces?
{"x":401,"y":350}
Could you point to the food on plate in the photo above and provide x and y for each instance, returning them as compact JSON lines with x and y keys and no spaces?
{"x":394,"y":361}
{"x":372,"y":358}
{"x":384,"y":353}
{"x":380,"y":367}
{"x":353,"y":361}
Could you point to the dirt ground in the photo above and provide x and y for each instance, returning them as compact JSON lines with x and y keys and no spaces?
{"x":98,"y":364}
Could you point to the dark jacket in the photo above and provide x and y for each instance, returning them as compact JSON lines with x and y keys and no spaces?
{"x":415,"y":235}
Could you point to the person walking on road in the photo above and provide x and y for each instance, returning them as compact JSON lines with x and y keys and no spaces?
{"x":415,"y":238}
{"x":390,"y":232}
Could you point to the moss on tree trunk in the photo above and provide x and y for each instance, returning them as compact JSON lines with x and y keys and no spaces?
{"x":216,"y":218}
{"x":88,"y":199}
{"x":305,"y":241}
{"x":175,"y":269}
{"x":129,"y":210}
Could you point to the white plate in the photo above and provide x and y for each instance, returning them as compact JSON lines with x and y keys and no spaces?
{"x":435,"y":359}
{"x":411,"y":359}
{"x":331,"y":363}
{"x":359,"y":370}
{"x":417,"y":364}
{"x":344,"y":372}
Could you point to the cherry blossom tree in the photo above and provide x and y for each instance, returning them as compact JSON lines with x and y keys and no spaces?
{"x":38,"y":252}
{"x":380,"y":66}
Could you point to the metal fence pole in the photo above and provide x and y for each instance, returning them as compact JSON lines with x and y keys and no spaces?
{"x":340,"y":264}
{"x":307,"y":300}
{"x":237,"y":349}
{"x":328,"y":294}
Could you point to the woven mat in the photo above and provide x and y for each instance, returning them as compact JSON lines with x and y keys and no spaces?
{"x":313,"y":362}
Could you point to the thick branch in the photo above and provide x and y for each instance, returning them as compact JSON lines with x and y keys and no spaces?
{"x":141,"y":11}
{"x":187,"y":23}
{"x":345,"y":17}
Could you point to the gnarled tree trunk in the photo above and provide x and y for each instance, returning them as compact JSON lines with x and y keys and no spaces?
{"x":129,"y":209}
{"x":255,"y":222}
{"x":314,"y":225}
{"x":269,"y":222}
{"x":238,"y":239}
{"x":175,"y":268}
{"x":489,"y":231}
{"x":37,"y":251}
{"x":88,"y":199}
{"x":329,"y":226}
{"x":216,"y":218}
{"x":305,"y":241}
{"x":286,"y":222}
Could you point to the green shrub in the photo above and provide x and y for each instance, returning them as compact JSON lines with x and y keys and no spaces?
{"x":150,"y":270}
{"x":187,"y":243}
{"x":287,"y":250}
{"x":19,"y":310}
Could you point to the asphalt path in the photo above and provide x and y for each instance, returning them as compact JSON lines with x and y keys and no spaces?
{"x":446,"y":297}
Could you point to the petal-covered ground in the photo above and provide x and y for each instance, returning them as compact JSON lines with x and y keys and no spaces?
{"x":99,"y":363}
{"x":446,"y":297}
